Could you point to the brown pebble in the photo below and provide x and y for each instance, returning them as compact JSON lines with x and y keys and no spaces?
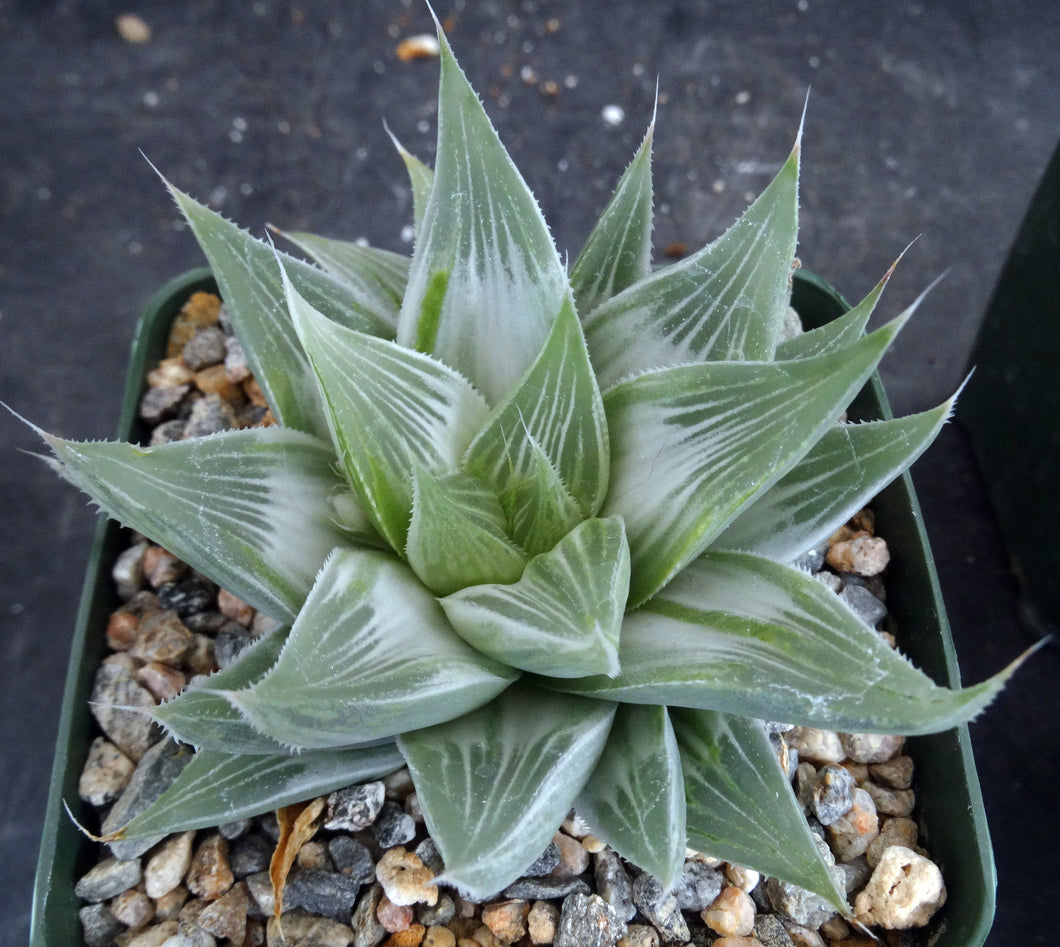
{"x":122,"y":629}
{"x":871,"y":747}
{"x":438,"y":936}
{"x":732,"y":912}
{"x":214,"y":380}
{"x":201,"y":309}
{"x":168,"y":905}
{"x":895,"y":773}
{"x":170,"y":373}
{"x":106,"y":773}
{"x":167,"y":866}
{"x":393,"y":917}
{"x":896,"y":831}
{"x":541,"y":922}
{"x":226,"y":917}
{"x":506,"y":919}
{"x":892,"y":802}
{"x":234,"y":608}
{"x":161,"y":680}
{"x":162,"y":638}
{"x":254,"y":394}
{"x":161,"y":566}
{"x":573,"y":858}
{"x":133,"y":908}
{"x":209,"y":875}
{"x":862,"y":555}
{"x":412,"y":936}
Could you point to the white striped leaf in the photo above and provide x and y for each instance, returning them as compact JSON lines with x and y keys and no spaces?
{"x":486,"y":281}
{"x":370,"y":656}
{"x":635,"y":798}
{"x":218,"y":787}
{"x":246,"y":508}
{"x":376,"y":278}
{"x":203,"y":717}
{"x":725,"y":302}
{"x":249,"y":280}
{"x":740,"y":806}
{"x":562,"y":618}
{"x":747,"y":635}
{"x":618,"y":251}
{"x":457,"y":534}
{"x":556,"y":406}
{"x":843,"y":471}
{"x":694,"y":445}
{"x":389,"y":410}
{"x":495,"y":784}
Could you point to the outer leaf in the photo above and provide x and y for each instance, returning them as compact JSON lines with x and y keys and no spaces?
{"x":635,"y":798}
{"x":457,"y":535}
{"x":696,"y":444}
{"x":246,"y":508}
{"x":558,"y":404}
{"x":218,"y":787}
{"x":486,"y":282}
{"x":249,"y":280}
{"x":202,"y":716}
{"x":618,"y":251}
{"x":390,"y":410}
{"x":725,"y":302}
{"x":494,"y":784}
{"x":746,"y":635}
{"x":376,"y":278}
{"x":370,"y":656}
{"x":562,"y":618}
{"x":843,"y":471}
{"x":740,"y":806}
{"x":421,"y":177}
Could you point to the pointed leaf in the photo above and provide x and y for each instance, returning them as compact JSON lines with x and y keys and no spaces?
{"x":695,"y":444}
{"x":618,"y":251}
{"x":558,"y":404}
{"x":389,"y":410}
{"x":746,"y":635}
{"x":247,"y":508}
{"x":218,"y":787}
{"x":202,"y":716}
{"x":457,"y":535}
{"x":421,"y":177}
{"x":370,"y":656}
{"x":495,"y":784}
{"x":725,"y":302}
{"x":843,"y":471}
{"x":376,"y":278}
{"x":562,"y":618}
{"x":486,"y":282}
{"x":740,"y":806}
{"x":635,"y":798}
{"x":249,"y":280}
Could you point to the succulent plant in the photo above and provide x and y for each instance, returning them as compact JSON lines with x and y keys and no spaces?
{"x":530,"y":532}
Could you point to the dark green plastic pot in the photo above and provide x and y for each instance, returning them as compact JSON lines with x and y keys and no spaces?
{"x":953,"y":824}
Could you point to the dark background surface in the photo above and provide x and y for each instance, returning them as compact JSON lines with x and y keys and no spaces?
{"x":933,"y":119}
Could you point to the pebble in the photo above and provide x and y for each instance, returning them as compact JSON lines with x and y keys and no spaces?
{"x":588,"y":921}
{"x":804,"y":937}
{"x":863,"y":604}
{"x":209,"y":875}
{"x":412,"y":936}
{"x":237,"y":828}
{"x":314,"y":854}
{"x":154,"y":936}
{"x":367,"y":931}
{"x":355,"y":808}
{"x":797,"y":904}
{"x":127,"y":573}
{"x":122,"y":629}
{"x":545,"y":888}
{"x":161,"y":566}
{"x":209,"y":415}
{"x":833,"y":794}
{"x":206,"y":347}
{"x":573,"y":858}
{"x":234,"y":608}
{"x":167,"y":866}
{"x":770,"y":931}
{"x":230,"y":642}
{"x":169,"y":373}
{"x":861,"y":554}
{"x":871,"y":747}
{"x":108,"y":879}
{"x":235,"y":362}
{"x":895,"y":773}
{"x":746,"y":879}
{"x":613,"y":883}
{"x":439,"y":937}
{"x":352,"y":858}
{"x":393,"y":826}
{"x":162,"y":638}
{"x":393,"y":917}
{"x":541,"y":922}
{"x":905,"y":891}
{"x":187,"y":596}
{"x":99,"y":927}
{"x":731,"y":912}
{"x":892,"y":802}
{"x":106,"y":773}
{"x":158,"y":404}
{"x":167,"y":432}
{"x":697,"y":886}
{"x":660,"y":907}
{"x":544,"y":863}
{"x":895,"y":831}
{"x":430,"y":856}
{"x":303,"y":930}
{"x":506,"y":919}
{"x":851,"y":834}
{"x":132,"y":732}
{"x":405,"y":879}
{"x":639,"y":935}
{"x":168,"y":906}
{"x":817,"y":746}
{"x":164,"y":682}
{"x":249,"y":855}
{"x":439,"y":913}
{"x":328,"y":893}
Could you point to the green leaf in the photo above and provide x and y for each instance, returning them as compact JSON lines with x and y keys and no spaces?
{"x":495,"y":784}
{"x":635,"y":798}
{"x":421,"y":177}
{"x":562,"y":618}
{"x":843,"y":471}
{"x":390,"y":410}
{"x":486,"y":281}
{"x":370,"y":656}
{"x":694,"y":445}
{"x":202,"y":716}
{"x":746,"y":635}
{"x":618,"y":251}
{"x":218,"y":787}
{"x":740,"y":806}
{"x":247,"y":508}
{"x":376,"y":278}
{"x":557,"y":407}
{"x":457,"y":535}
{"x":249,"y":279}
{"x":725,"y":302}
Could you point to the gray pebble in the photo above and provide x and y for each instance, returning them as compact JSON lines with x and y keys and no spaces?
{"x":205,"y":348}
{"x":542,"y":889}
{"x":588,"y":921}
{"x":833,"y":794}
{"x":393,"y":826}
{"x":864,"y":604}
{"x":230,"y":642}
{"x":108,"y":879}
{"x":439,"y":913}
{"x":613,"y":884}
{"x":206,"y":623}
{"x":367,"y":931}
{"x":99,"y":927}
{"x":190,"y":935}
{"x":167,"y":432}
{"x":236,"y":829}
{"x":159,"y":403}
{"x":132,"y":732}
{"x":356,"y":807}
{"x":659,"y":907}
{"x":428,"y":853}
{"x":249,"y":855}
{"x":209,"y":415}
{"x":187,"y":596}
{"x":351,"y":858}
{"x":771,"y":932}
{"x":328,"y":893}
{"x":697,"y":886}
{"x":544,"y":863}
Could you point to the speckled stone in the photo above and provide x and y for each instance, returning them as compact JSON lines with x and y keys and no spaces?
{"x":769,"y":930}
{"x":833,"y":794}
{"x":162,"y":638}
{"x":852,"y":833}
{"x":249,"y":855}
{"x":108,"y":879}
{"x":106,"y":773}
{"x":895,"y":773}
{"x":588,"y":921}
{"x":697,"y":886}
{"x":209,"y":875}
{"x":545,"y":888}
{"x":871,"y":747}
{"x":541,"y":922}
{"x":161,"y":566}
{"x":355,"y":808}
{"x":659,"y":907}
{"x":164,"y":682}
{"x":544,"y":863}
{"x":303,"y":930}
{"x":98,"y":925}
{"x":891,"y":802}
{"x":226,"y":918}
{"x":393,"y":826}
{"x":167,"y":866}
{"x":157,"y":404}
{"x":352,"y":858}
{"x":639,"y":935}
{"x":206,"y":347}
{"x":895,"y":831}
{"x":613,"y":883}
{"x":132,"y":732}
{"x":188,"y":596}
{"x":329,"y":893}
{"x":367,"y":931}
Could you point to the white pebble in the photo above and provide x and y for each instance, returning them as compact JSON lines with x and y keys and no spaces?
{"x":905,"y":891}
